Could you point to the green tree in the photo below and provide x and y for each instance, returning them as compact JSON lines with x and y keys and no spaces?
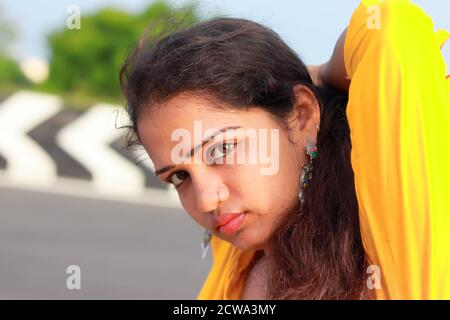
{"x":87,"y":60}
{"x":10,"y":74}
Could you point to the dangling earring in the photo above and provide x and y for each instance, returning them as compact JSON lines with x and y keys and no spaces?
{"x":207,"y":236}
{"x":307,"y":169}
{"x":205,"y":243}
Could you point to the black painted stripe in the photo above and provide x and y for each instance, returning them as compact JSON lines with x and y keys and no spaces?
{"x":45,"y":135}
{"x":3,"y":162}
{"x":151,"y":181}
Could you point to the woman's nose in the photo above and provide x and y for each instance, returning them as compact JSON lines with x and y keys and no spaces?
{"x":209,"y":191}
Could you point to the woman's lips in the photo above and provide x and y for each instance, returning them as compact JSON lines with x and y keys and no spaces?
{"x":232,"y":225}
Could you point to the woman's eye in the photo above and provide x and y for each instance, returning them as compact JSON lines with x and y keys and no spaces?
{"x":216,"y":152}
{"x":219,"y":151}
{"x":177,"y":178}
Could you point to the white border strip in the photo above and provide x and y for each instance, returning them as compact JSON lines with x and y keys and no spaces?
{"x":84,"y":189}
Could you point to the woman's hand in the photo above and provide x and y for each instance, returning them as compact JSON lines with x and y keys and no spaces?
{"x":316,"y":73}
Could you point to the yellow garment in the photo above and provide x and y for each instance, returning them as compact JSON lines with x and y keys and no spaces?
{"x":226,"y":278}
{"x":399,"y":115}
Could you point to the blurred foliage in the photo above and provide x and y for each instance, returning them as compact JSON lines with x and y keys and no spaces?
{"x":85,"y":62}
{"x":10,"y":74}
{"x":7,"y":33}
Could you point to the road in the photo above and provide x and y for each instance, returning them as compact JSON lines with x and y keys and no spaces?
{"x":124,"y":250}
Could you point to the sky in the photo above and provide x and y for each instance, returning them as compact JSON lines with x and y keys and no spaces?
{"x":311,"y":27}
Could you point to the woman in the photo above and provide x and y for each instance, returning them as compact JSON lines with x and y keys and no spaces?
{"x":334,"y":220}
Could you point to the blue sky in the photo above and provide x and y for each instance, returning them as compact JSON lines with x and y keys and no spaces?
{"x":310,"y":27}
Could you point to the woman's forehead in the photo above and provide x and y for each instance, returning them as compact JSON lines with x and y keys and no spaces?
{"x":186,"y":111}
{"x":161,"y":128}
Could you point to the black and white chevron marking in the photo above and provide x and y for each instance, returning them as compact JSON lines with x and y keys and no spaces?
{"x":42,"y":142}
{"x":44,"y":135}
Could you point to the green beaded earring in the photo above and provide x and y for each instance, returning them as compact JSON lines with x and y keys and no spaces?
{"x":307,"y":169}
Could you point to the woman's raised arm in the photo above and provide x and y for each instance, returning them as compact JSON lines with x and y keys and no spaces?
{"x":398,"y":113}
{"x":332,"y":72}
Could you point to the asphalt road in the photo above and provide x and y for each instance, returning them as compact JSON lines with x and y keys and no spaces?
{"x":124,"y":251}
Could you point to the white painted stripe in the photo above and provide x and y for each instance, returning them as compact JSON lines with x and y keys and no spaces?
{"x":141,"y":155}
{"x":27,"y":162}
{"x":87,"y":140}
{"x":84,"y":189}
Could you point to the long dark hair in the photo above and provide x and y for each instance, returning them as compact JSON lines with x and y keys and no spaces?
{"x":317,"y":249}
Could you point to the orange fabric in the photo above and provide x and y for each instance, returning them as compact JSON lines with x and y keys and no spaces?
{"x":226,"y":278}
{"x":399,"y":115}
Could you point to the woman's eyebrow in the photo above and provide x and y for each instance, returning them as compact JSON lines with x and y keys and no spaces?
{"x":194,"y":150}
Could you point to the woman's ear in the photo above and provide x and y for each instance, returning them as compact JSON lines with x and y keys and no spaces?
{"x":307,"y":111}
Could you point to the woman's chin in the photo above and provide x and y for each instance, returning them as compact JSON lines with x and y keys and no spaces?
{"x":245,"y":244}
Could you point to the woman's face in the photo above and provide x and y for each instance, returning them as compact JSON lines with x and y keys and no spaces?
{"x":253,"y":170}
